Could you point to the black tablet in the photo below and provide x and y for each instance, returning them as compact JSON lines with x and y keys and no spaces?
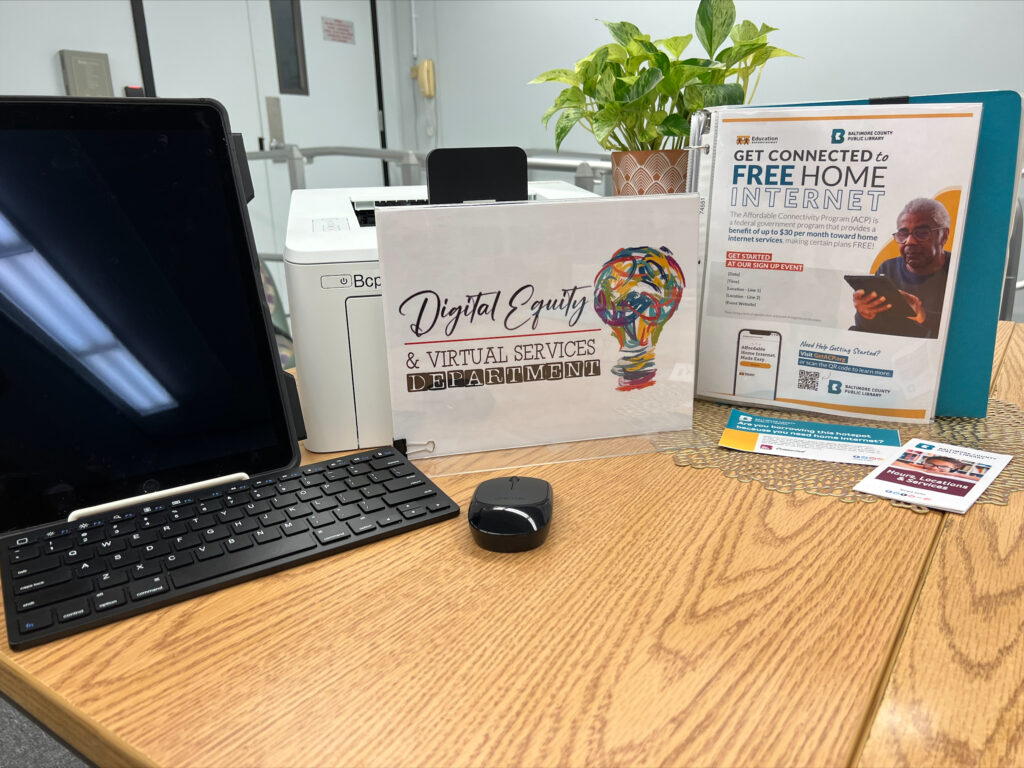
{"x":882,"y":286}
{"x":136,"y":353}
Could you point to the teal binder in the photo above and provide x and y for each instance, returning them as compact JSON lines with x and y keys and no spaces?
{"x":970,"y":344}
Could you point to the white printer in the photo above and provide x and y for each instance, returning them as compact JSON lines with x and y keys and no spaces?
{"x":330,"y":258}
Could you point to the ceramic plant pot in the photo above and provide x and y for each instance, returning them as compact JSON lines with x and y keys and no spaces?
{"x":651,"y":172}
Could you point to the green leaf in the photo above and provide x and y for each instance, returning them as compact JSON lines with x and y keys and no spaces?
{"x":699,"y":96}
{"x":605,"y":122}
{"x":569,"y":118}
{"x":745,"y":31}
{"x":642,"y":48}
{"x":739,"y":52}
{"x":675,"y":45}
{"x":566,"y":76}
{"x":714,"y":23}
{"x":622,"y":31}
{"x":616,"y":53}
{"x":769,"y":52}
{"x":674,"y":125}
{"x":605,"y":90}
{"x":546,"y":117}
{"x":679,"y":75}
{"x":596,"y":64}
{"x":644,"y":83}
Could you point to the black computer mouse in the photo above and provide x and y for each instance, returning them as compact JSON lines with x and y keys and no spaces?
{"x":511,"y":514}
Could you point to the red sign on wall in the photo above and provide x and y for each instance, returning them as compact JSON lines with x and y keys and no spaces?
{"x":339,"y":30}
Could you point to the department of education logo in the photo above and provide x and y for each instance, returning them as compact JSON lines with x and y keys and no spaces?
{"x":742,"y":139}
{"x":838,"y":135}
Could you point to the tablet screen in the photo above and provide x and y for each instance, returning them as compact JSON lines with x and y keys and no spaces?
{"x":135,"y":353}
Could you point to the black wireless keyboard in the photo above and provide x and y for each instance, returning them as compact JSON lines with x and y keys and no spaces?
{"x":69,"y":577}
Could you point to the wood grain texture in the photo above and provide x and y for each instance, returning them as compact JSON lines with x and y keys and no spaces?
{"x":956,"y":694}
{"x":674,"y":617}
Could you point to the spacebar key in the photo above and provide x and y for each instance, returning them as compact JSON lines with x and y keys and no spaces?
{"x":236,"y":561}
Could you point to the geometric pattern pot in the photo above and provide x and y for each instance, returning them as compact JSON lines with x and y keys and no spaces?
{"x":650,"y":172}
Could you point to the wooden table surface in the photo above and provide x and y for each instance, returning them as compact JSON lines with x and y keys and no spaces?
{"x":674,"y":617}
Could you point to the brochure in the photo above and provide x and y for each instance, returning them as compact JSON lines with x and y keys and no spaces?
{"x":831,"y":255}
{"x":841,"y":443}
{"x":936,"y":475}
{"x":517,"y":324}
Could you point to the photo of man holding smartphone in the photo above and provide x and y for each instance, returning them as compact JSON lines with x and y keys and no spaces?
{"x":919,"y":274}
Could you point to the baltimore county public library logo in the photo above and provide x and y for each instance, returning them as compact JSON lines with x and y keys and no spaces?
{"x":838,"y":135}
{"x":925,"y":446}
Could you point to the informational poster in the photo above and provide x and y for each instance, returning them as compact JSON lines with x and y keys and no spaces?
{"x":832,"y":250}
{"x":518,"y":324}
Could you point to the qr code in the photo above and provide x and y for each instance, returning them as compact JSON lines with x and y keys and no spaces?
{"x":808,"y":379}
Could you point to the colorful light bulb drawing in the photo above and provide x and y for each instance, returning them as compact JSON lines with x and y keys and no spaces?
{"x":635,"y":293}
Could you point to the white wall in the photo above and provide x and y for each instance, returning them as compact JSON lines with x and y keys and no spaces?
{"x":488,"y":50}
{"x":32,"y":31}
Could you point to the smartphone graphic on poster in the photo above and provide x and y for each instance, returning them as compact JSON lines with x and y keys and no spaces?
{"x":757,"y":364}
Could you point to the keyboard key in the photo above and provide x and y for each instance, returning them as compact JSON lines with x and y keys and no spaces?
{"x":158,"y":549}
{"x":77,"y":555}
{"x":298,"y":511}
{"x":216,"y":533}
{"x":357,"y":482}
{"x":76,"y":609}
{"x":372,"y":491}
{"x":43,"y":580}
{"x":150,"y":587}
{"x":235,"y":544}
{"x":361,"y":525}
{"x":308,"y":494}
{"x":409,"y":494}
{"x":392,"y":518}
{"x":108,"y":598}
{"x":350,"y":497}
{"x":244,"y":525}
{"x":387,"y":463}
{"x":226,"y":516}
{"x":111,"y":578}
{"x":412,"y":512}
{"x":178,"y":560}
{"x":324,"y":504}
{"x":23,"y":554}
{"x":371,"y":505}
{"x":272,"y":518}
{"x":36,"y":621}
{"x":348,"y":512}
{"x":280,"y":502}
{"x":213,"y":505}
{"x":208,"y":551}
{"x":290,"y":487}
{"x":293,"y":527}
{"x":21,"y":541}
{"x":187,"y":541}
{"x":263,"y":535}
{"x":144,"y":570}
{"x":401,"y":483}
{"x":109,"y":546}
{"x":39,"y":565}
{"x":331,"y":533}
{"x":121,"y":559}
{"x":257,"y":508}
{"x":320,"y":519}
{"x":241,"y":560}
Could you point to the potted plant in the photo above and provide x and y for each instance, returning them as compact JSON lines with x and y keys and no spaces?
{"x":637,"y":95}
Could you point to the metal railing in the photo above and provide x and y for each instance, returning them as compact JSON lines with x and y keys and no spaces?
{"x":590,"y":172}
